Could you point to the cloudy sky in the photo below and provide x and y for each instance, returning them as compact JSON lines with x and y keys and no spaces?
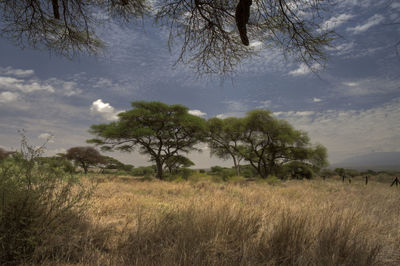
{"x":352,"y":106}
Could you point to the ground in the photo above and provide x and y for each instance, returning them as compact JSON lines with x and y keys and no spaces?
{"x":242,"y":223}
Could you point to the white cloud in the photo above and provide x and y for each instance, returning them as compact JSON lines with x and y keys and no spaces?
{"x":265,"y":104}
{"x":9,"y":83}
{"x":294,"y":113}
{"x":47,"y":136}
{"x":105,"y":110}
{"x":342,"y":49}
{"x":16,"y":72}
{"x":102,"y":83}
{"x":222,"y":116}
{"x":303,"y":69}
{"x":317,"y":100}
{"x":67,"y":88}
{"x":257,"y":45}
{"x":395,"y":5}
{"x":235,"y":106}
{"x":369,"y":86}
{"x":372,"y":21}
{"x":336,"y":21}
{"x":7,"y":96}
{"x":351,"y":84}
{"x":197,"y":113}
{"x":352,"y":132}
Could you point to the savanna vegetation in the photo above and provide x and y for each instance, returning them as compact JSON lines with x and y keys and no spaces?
{"x":50,"y":217}
{"x":276,"y":205}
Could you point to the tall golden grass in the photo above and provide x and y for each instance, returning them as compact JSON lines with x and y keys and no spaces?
{"x":203,"y":223}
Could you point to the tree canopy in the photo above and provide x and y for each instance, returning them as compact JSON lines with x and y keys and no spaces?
{"x":158,"y":130}
{"x":265,"y":142}
{"x":84,"y":157}
{"x":214,"y":35}
{"x":175,"y":162}
{"x":224,"y":139}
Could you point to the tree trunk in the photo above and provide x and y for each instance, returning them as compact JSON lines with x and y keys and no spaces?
{"x":56,"y":11}
{"x":85,"y":168}
{"x":159,"y":169}
{"x":236,"y":164}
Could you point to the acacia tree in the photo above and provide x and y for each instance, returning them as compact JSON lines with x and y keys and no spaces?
{"x":159,"y":130}
{"x":84,"y":157}
{"x":269,"y":143}
{"x":213,"y":34}
{"x":224,"y":139}
{"x":175,"y":162}
{"x":112,"y":163}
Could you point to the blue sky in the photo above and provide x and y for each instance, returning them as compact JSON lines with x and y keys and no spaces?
{"x":352,"y":106}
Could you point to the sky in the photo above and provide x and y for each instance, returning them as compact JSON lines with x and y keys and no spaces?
{"x":352,"y":106}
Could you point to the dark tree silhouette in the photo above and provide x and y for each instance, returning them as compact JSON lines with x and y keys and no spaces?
{"x":214,"y":34}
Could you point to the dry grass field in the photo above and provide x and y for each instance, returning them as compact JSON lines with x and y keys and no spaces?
{"x":131,"y":222}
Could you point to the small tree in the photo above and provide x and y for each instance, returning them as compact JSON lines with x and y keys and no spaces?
{"x":84,"y":157}
{"x":157,"y":129}
{"x":173,"y":163}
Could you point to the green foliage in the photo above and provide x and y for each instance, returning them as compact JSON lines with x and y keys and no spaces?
{"x":158,"y":130}
{"x":223,"y":172}
{"x":185,"y":173}
{"x":143,"y":171}
{"x":265,"y":142}
{"x":298,"y":170}
{"x":84,"y":157}
{"x":248,"y":171}
{"x":224,"y":139}
{"x":340,"y":171}
{"x":176,"y":162}
{"x":37,"y":203}
{"x":56,"y":163}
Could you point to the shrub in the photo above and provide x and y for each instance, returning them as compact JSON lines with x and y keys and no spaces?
{"x":185,"y":173}
{"x":248,"y":171}
{"x":37,"y":204}
{"x":143,"y":171}
{"x":298,"y":170}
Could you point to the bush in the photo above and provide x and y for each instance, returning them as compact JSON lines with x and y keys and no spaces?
{"x":37,"y":204}
{"x":223,"y":172}
{"x":248,"y":171}
{"x":298,"y":170}
{"x":143,"y":171}
{"x":185,"y":173}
